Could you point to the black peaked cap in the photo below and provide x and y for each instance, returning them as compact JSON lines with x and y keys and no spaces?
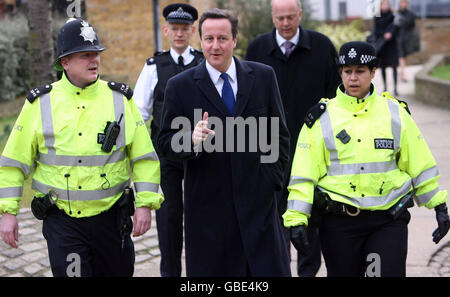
{"x":180,"y":13}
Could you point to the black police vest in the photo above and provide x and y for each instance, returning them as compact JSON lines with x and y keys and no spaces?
{"x":166,"y":68}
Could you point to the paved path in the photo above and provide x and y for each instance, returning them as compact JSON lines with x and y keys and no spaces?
{"x":424,"y":257}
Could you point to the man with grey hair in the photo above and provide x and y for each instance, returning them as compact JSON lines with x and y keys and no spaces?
{"x":304,"y":63}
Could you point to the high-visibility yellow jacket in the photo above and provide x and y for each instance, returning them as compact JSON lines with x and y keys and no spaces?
{"x":383,"y":157}
{"x":59,"y":133}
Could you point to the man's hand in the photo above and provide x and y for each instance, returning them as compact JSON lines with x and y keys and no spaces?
{"x":443,"y":222}
{"x":142,"y":221}
{"x":201,"y":131}
{"x":9,"y":229}
{"x":299,"y":238}
{"x":387,"y":35}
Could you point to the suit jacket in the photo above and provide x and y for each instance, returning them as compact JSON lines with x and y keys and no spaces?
{"x":231,"y":223}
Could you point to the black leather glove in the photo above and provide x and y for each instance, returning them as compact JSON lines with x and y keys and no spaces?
{"x":299,"y":238}
{"x":443,"y":222}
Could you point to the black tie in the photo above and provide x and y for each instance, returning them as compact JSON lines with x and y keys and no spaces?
{"x":180,"y":61}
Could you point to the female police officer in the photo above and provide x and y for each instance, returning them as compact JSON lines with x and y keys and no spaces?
{"x":364,"y":156}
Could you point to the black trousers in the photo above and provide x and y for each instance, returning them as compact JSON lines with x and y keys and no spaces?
{"x":354,"y":246}
{"x":169,"y":218}
{"x":89,"y":246}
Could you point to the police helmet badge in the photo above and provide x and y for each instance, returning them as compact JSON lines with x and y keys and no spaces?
{"x":352,"y":53}
{"x":87,"y":32}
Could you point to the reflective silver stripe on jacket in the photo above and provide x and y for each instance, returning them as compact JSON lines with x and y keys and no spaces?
{"x":101,"y":160}
{"x":425,"y":198}
{"x":11,"y":192}
{"x":361,"y":168}
{"x":299,"y":205}
{"x":81,"y":195}
{"x":425,"y":175}
{"x":141,"y":187}
{"x":7,"y":162}
{"x":396,"y":124}
{"x":47,"y":123}
{"x":150,"y":156}
{"x":300,"y":179}
{"x":373,"y":201}
{"x":119,"y":110}
{"x":336,"y":168}
{"x":328,"y":137}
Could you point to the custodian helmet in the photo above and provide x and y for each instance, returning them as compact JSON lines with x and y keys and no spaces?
{"x":75,"y":36}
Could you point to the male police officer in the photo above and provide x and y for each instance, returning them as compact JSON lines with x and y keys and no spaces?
{"x":81,"y":132}
{"x":149,"y":96}
{"x":367,"y":157}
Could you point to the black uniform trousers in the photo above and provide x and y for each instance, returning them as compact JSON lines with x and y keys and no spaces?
{"x":351,"y":245}
{"x":90,"y":246}
{"x":169,"y":218}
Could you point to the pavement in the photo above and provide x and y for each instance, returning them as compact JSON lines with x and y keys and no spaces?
{"x":425,"y":258}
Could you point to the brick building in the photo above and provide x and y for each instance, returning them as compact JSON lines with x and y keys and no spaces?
{"x":126,"y":30}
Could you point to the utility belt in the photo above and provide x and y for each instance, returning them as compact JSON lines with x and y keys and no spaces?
{"x":323,"y":204}
{"x":42,"y":206}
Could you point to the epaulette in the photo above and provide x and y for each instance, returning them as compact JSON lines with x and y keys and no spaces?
{"x":401,"y":102}
{"x":159,"y":53}
{"x":36,"y":92}
{"x":152,"y":60}
{"x":195,"y":51}
{"x":122,"y":88}
{"x":315,"y":112}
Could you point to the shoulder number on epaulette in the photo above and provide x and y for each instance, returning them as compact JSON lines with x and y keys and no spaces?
{"x":36,"y":92}
{"x":401,"y":102}
{"x":314,"y":113}
{"x":122,"y":88}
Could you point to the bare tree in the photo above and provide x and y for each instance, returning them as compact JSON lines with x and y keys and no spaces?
{"x":40,"y":42}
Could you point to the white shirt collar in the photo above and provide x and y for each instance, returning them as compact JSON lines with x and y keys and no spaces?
{"x":281,"y":40}
{"x":187,"y":56}
{"x":214,"y":74}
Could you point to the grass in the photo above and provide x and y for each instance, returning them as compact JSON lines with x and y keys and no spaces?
{"x":442,"y":72}
{"x":6,"y":124}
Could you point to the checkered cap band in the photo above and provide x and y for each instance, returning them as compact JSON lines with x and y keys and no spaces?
{"x":367,"y":59}
{"x":180,"y":15}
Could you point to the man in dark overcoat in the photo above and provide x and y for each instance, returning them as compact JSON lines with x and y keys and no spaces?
{"x":305,"y":65}
{"x":225,"y":120}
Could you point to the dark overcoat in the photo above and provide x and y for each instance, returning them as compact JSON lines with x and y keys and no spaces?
{"x":388,"y":54}
{"x":309,"y":74}
{"x":231,"y":223}
{"x":405,"y":38}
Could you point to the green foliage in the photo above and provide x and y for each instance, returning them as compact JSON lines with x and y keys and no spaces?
{"x":442,"y":72}
{"x":340,"y":34}
{"x":14,"y":58}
